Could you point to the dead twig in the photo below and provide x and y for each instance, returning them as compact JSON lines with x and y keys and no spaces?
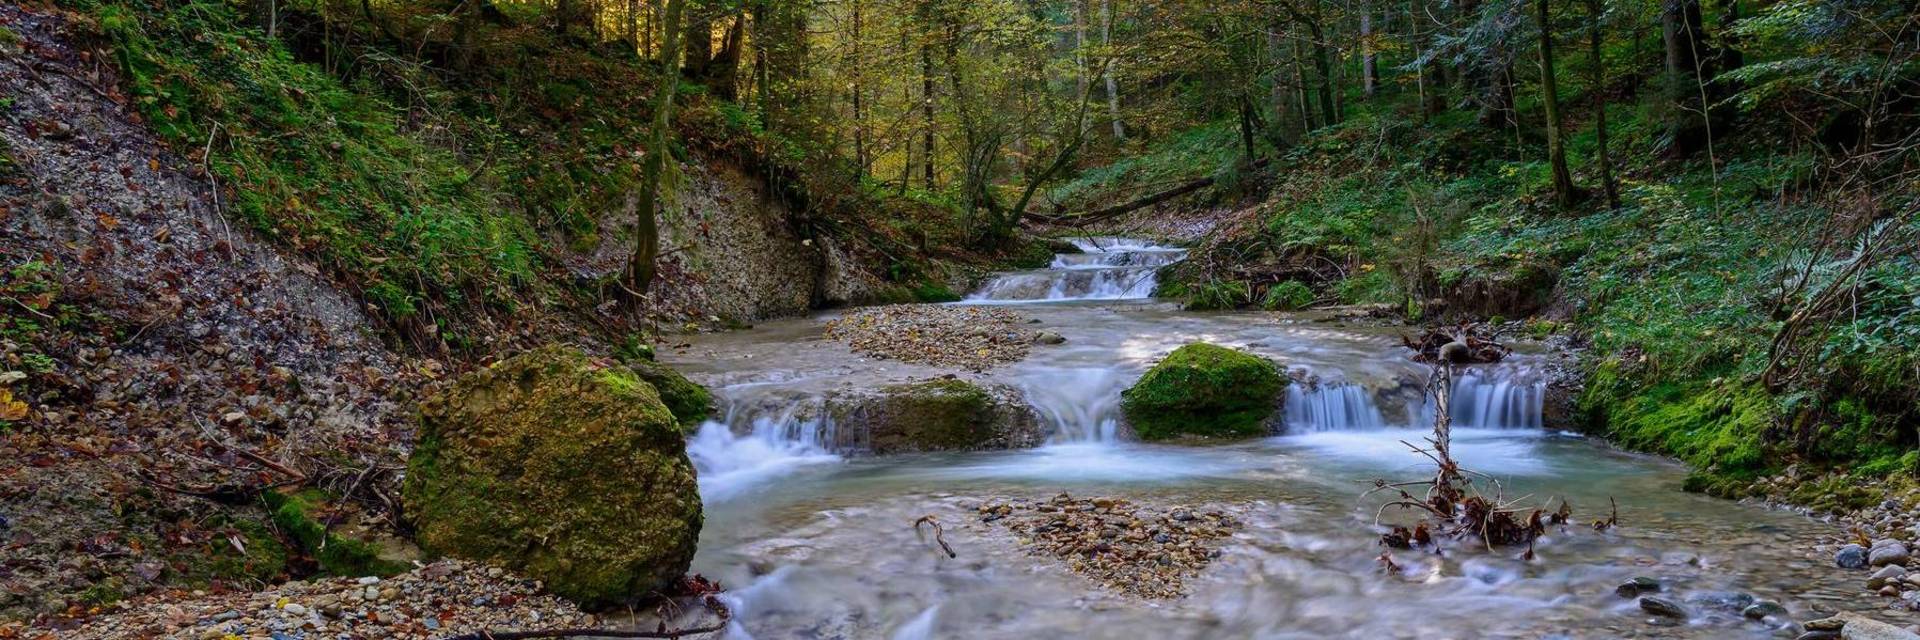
{"x":939,"y":534}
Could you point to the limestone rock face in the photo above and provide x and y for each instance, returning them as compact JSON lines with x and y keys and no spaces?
{"x":565,"y":471}
{"x":1204,"y":390}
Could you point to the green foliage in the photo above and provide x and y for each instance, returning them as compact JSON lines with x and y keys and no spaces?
{"x":1717,"y":427}
{"x":317,"y":165}
{"x":1205,"y":390}
{"x":1291,"y":295}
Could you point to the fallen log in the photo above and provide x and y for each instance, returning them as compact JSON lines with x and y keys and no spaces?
{"x":1096,"y":215}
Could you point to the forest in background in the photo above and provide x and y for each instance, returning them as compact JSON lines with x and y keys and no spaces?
{"x":1716,"y":196}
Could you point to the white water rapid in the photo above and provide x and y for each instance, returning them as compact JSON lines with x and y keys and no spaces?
{"x":1106,"y":269}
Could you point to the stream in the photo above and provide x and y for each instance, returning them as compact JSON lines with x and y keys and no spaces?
{"x":814,"y":544}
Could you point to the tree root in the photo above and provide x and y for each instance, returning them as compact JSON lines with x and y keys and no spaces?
{"x":939,"y":534}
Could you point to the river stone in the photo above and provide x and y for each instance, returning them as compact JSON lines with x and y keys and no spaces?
{"x":1888,"y":552}
{"x":1886,"y":575}
{"x":945,"y":414}
{"x":1852,"y":556}
{"x":1636,"y":586}
{"x":1863,"y":628}
{"x":561,"y":470}
{"x":1662,"y":607}
{"x":1049,"y":337}
{"x":1730,"y":601}
{"x":1761,"y":609}
{"x":1204,"y":390}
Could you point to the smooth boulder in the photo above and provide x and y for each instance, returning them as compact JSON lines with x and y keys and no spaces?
{"x":1203,"y":389}
{"x":560,"y":469}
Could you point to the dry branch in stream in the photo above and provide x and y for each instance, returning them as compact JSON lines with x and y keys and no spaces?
{"x":939,"y":534}
{"x":1451,"y":503}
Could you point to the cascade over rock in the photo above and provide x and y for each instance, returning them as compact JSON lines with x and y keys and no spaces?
{"x":566,"y":472}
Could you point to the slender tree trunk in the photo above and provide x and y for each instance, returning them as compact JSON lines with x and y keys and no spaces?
{"x":1112,"y":68}
{"x":1369,"y":65}
{"x":646,"y":246}
{"x":1322,"y":62}
{"x":698,"y":40}
{"x":860,"y":160}
{"x":926,"y":114}
{"x":1599,"y":94}
{"x":1563,"y":189}
{"x":1300,"y":90}
{"x":1682,"y":28}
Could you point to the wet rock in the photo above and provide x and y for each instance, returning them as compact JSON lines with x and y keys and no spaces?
{"x":1887,"y":552}
{"x":1730,"y":601}
{"x":1635,"y":587}
{"x":947,"y":414}
{"x":1852,"y":556}
{"x":1818,"y":635}
{"x":1759,"y":610}
{"x":1205,"y":390}
{"x":1663,"y":607}
{"x":545,"y":443}
{"x":1890,"y":574}
{"x":1049,"y":337}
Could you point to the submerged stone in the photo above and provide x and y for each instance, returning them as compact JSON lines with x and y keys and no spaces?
{"x":1205,"y":390}
{"x":563,"y":471}
{"x":1663,"y":607}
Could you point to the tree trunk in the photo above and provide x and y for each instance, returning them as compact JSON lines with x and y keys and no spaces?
{"x":1112,"y":68}
{"x":1369,"y":66}
{"x":860,"y":160}
{"x":1682,"y":32}
{"x":646,"y":246}
{"x":1599,"y":93}
{"x":926,"y":113}
{"x":1563,"y":190}
{"x":698,"y":40}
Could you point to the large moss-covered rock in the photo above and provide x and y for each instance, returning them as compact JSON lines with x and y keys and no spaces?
{"x":948,"y":414}
{"x":1204,"y":390}
{"x":570,"y":473}
{"x":689,"y":402}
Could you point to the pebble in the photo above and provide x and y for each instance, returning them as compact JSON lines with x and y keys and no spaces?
{"x":1636,"y":586}
{"x":1888,"y":574}
{"x":1663,"y":607}
{"x":1852,"y":556}
{"x":1761,"y":609}
{"x":1887,"y":552}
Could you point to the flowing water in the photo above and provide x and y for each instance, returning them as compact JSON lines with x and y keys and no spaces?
{"x":818,"y":545}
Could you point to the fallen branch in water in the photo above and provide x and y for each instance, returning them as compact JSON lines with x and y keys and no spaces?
{"x":1452,"y":503}
{"x":939,"y":534}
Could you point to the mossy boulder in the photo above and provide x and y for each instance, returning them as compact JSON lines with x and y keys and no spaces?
{"x":689,"y":402}
{"x":567,"y":472}
{"x":947,"y":414}
{"x":1204,"y":390}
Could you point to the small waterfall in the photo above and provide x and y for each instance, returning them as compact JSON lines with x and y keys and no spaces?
{"x":774,"y":443}
{"x":1331,"y":407}
{"x":1488,"y":400}
{"x":1082,"y":405}
{"x":1482,"y":399}
{"x":1108,"y":269}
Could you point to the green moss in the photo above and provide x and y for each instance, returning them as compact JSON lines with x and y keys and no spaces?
{"x":937,"y":415}
{"x":1291,"y":295}
{"x":263,"y":562}
{"x":1215,"y":296}
{"x":574,"y":475}
{"x":690,"y":403}
{"x":337,"y":555}
{"x":1717,"y":427}
{"x":1203,"y":389}
{"x":929,"y":291}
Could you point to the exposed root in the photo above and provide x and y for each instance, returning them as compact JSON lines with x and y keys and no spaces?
{"x":1465,"y":343}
